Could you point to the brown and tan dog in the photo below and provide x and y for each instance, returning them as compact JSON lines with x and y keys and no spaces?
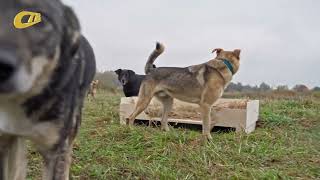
{"x":202,"y":84}
{"x":93,"y":89}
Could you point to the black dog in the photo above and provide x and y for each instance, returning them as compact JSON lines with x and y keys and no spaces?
{"x":45,"y":71}
{"x":130,"y":81}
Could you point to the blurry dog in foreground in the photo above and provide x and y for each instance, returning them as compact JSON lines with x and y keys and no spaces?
{"x":202,"y":84}
{"x":93,"y":89}
{"x":45,"y":72}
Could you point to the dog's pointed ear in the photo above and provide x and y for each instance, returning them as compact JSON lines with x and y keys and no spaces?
{"x":118,"y":71}
{"x":218,"y":50}
{"x":131,"y":72}
{"x":237,"y":52}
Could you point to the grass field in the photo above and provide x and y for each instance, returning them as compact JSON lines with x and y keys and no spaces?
{"x":285,"y":145}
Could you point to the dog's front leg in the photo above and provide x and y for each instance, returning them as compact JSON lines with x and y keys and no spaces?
{"x":205,"y":114}
{"x":94,"y":94}
{"x":141,"y":105}
{"x":12,"y":158}
{"x":145,"y":96}
{"x":57,"y":162}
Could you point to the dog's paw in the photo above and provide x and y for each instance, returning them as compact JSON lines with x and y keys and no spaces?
{"x":207,"y":137}
{"x":129,"y":122}
{"x":165,"y":128}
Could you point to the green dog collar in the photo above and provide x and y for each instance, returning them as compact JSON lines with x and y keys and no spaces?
{"x":228,"y":64}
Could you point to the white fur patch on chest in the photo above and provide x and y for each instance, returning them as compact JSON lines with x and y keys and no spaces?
{"x":13,"y":120}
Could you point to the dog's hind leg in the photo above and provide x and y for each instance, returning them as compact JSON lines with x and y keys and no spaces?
{"x":145,"y":95}
{"x":12,"y":158}
{"x":167,"y":103}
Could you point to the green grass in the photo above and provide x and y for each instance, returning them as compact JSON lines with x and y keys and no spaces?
{"x":285,"y":145}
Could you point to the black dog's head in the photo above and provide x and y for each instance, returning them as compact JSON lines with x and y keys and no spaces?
{"x":29,"y":56}
{"x":124,"y":75}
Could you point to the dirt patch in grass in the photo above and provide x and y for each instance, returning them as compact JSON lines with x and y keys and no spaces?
{"x":308,"y":123}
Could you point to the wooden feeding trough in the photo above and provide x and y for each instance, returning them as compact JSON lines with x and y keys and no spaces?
{"x":235,"y":113}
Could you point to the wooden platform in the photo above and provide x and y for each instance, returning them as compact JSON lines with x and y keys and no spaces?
{"x":236,"y":113}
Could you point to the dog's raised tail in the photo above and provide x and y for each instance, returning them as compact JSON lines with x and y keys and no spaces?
{"x":153,"y":56}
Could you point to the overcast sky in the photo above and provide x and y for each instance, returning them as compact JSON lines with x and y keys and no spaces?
{"x":279,"y":39}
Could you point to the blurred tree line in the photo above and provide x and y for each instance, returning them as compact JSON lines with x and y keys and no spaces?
{"x":108,"y":80}
{"x":264,"y":87}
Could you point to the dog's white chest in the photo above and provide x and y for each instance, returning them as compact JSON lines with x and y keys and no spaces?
{"x":13,"y":120}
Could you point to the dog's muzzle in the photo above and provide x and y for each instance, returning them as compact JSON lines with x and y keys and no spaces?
{"x":123,"y":82}
{"x":8,"y":66}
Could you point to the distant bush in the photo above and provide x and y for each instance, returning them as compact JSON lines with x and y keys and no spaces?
{"x":300,"y":88}
{"x":272,"y":94}
{"x":238,"y":87}
{"x":108,"y":81}
{"x":264,"y":87}
{"x":316,"y":89}
{"x":316,"y":94}
{"x":282,"y":88}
